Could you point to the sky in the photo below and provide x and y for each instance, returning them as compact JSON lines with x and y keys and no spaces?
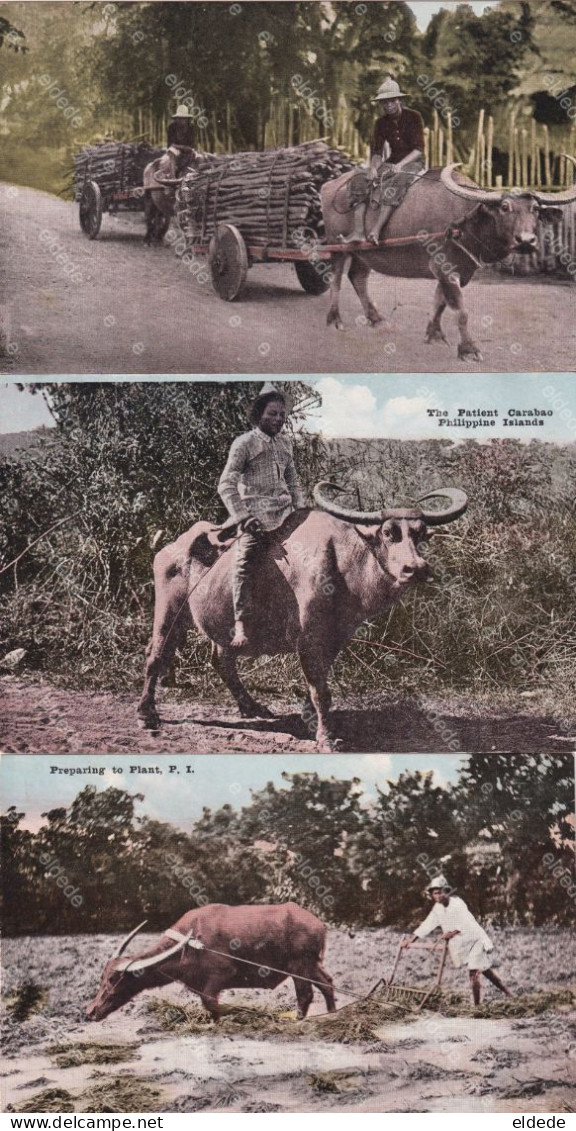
{"x":34,"y":784}
{"x":422,"y":406}
{"x":425,"y":9}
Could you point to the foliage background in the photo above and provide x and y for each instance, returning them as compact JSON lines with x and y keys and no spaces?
{"x":489,"y":832}
{"x":237,"y":61}
{"x":129,"y":466}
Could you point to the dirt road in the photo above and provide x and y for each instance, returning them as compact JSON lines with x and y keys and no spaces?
{"x":427,"y":1062}
{"x":40,"y":719}
{"x":114,"y":306}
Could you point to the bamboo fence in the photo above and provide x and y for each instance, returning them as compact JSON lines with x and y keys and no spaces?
{"x":528,"y":154}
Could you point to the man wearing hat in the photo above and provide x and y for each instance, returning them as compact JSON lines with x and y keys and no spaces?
{"x":468,"y":942}
{"x":180,"y":132}
{"x":260,"y":488}
{"x":396,"y":159}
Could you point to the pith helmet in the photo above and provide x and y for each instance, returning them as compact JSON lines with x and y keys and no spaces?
{"x":271,"y":391}
{"x":182,"y":112}
{"x":388,"y":89}
{"x":439,"y":882}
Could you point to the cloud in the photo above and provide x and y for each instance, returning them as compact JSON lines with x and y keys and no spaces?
{"x":347,"y":410}
{"x":352,"y":411}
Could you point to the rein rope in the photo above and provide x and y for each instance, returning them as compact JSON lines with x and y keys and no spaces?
{"x":197,"y":945}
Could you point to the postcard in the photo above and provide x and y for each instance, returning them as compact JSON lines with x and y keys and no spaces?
{"x":340,"y":934}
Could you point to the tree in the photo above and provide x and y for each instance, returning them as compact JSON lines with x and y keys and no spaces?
{"x":414,"y":830}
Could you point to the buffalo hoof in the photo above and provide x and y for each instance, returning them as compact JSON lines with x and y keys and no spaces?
{"x":334,"y":319}
{"x":435,"y":334}
{"x":469,"y":353}
{"x":329,"y":745}
{"x":374,"y":318}
{"x":255,"y":711}
{"x":149,"y":720}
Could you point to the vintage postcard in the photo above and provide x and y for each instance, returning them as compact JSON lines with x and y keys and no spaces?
{"x":368,"y":187}
{"x":330,"y":564}
{"x":295,"y":934}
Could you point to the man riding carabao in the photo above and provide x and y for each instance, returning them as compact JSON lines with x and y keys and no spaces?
{"x":260,"y":488}
{"x":396,"y":159}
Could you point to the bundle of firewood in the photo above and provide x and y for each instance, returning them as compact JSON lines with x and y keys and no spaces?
{"x":271,"y":197}
{"x":114,"y":165}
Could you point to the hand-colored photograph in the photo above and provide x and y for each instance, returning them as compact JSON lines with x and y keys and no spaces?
{"x":281,"y":187}
{"x":264,"y":568}
{"x":366,"y":933}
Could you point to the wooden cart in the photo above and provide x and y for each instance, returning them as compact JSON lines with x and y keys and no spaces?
{"x":229,"y":258}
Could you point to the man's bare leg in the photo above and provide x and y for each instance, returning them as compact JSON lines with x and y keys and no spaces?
{"x":382,"y":218}
{"x":492,"y":977}
{"x":357,"y":235}
{"x":475,"y":985}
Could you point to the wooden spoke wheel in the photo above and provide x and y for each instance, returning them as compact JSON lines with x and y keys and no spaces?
{"x":228,"y":261}
{"x":311,"y":280}
{"x":91,"y":208}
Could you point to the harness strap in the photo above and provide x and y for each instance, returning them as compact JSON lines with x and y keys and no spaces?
{"x":455,"y":236}
{"x":178,"y":937}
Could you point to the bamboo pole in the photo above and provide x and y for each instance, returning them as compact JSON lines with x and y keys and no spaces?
{"x":489,"y":151}
{"x":547,"y":165}
{"x":511,"y":126}
{"x":479,"y":134}
{"x":517,"y":158}
{"x":524,"y":156}
{"x":534,"y":171}
{"x":449,"y":140}
{"x":440,"y":146}
{"x":435,"y":128}
{"x":427,"y":161}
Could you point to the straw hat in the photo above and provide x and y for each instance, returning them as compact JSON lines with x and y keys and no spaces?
{"x":439,"y":882}
{"x":271,"y":391}
{"x":388,"y":89}
{"x":182,"y":112}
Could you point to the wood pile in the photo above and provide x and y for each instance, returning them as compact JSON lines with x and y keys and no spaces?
{"x":270,"y":196}
{"x":114,"y":165}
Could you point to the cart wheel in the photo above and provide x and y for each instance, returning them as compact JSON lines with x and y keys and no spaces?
{"x":91,"y":208}
{"x":309,"y":278}
{"x":228,"y":261}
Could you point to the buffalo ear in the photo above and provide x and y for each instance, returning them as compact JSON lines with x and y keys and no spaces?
{"x":549,"y":212}
{"x":370,"y":534}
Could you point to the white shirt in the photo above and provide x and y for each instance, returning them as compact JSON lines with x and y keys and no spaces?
{"x":455,"y":917}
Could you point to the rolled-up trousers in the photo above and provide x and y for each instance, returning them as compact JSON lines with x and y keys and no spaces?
{"x":248,"y":554}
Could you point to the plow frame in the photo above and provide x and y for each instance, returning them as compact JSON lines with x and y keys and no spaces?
{"x":419,"y":995}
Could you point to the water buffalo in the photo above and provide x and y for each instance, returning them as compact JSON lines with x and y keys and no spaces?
{"x":456,"y":227}
{"x":160,"y":179}
{"x":324,"y":573}
{"x":275,"y":941}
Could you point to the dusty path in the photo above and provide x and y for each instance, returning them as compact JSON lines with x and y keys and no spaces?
{"x":431,"y":1063}
{"x":113,"y":306}
{"x":40,"y":719}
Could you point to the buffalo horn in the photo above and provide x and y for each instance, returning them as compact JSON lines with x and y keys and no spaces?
{"x":477,"y":194}
{"x":128,"y":939}
{"x":137,"y":964}
{"x":326,"y":504}
{"x":559,"y":197}
{"x":456,"y":507}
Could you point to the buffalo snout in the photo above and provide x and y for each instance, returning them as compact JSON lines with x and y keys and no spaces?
{"x":526,"y":242}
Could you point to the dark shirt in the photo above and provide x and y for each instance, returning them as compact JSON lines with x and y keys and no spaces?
{"x":403,"y":134}
{"x":181,"y":132}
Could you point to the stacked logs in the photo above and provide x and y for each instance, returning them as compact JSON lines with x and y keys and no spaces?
{"x":271,"y":197}
{"x":114,"y":165}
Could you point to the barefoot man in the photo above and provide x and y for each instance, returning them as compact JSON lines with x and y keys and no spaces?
{"x":396,"y":159}
{"x":260,"y":488}
{"x":468,"y":943}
